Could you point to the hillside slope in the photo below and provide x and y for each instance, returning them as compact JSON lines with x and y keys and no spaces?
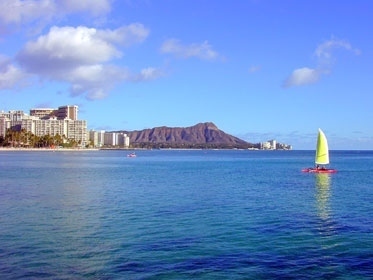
{"x":201,"y":135}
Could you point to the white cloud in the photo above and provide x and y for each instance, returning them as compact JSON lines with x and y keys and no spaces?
{"x":21,"y":11}
{"x":302,"y":76}
{"x":96,"y":7}
{"x":25,"y":11}
{"x":65,"y":48}
{"x":95,"y":81}
{"x":325,"y":50}
{"x":201,"y":50}
{"x":150,"y":73}
{"x":83,"y":58}
{"x":324,"y":54}
{"x":125,"y":35}
{"x":10,"y":75}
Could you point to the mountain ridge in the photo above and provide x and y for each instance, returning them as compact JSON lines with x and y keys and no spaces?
{"x":201,"y":135}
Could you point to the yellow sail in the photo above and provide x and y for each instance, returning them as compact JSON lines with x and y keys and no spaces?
{"x":322,"y":150}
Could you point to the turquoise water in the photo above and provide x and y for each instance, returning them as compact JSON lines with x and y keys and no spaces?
{"x":185,"y":215}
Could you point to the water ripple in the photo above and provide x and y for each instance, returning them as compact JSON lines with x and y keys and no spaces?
{"x":185,"y":215}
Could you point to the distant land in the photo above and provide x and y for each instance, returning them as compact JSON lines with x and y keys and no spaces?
{"x":202,"y":135}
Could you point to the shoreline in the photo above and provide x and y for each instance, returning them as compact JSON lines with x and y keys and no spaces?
{"x":47,"y":149}
{"x":2,"y":149}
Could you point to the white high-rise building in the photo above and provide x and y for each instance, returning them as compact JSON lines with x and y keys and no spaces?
{"x":4,"y":124}
{"x":110,"y":139}
{"x":77,"y":130}
{"x":97,"y":138}
{"x":62,"y":121}
{"x":272,"y":144}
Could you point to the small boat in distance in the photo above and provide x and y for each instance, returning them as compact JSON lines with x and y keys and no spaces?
{"x":321,"y":157}
{"x":131,"y":155}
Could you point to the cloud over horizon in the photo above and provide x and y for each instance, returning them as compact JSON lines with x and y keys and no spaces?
{"x":324,"y":61}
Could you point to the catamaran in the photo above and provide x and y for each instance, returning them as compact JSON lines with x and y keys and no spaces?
{"x":321,"y":157}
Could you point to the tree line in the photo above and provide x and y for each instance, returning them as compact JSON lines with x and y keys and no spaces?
{"x":26,"y":139}
{"x":173,"y":145}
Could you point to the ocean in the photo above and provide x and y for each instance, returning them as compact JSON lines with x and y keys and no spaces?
{"x":185,"y":214}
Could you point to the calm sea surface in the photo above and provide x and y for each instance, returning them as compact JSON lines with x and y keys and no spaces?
{"x":185,"y":215}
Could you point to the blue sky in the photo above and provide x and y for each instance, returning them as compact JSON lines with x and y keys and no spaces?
{"x":258,"y":69}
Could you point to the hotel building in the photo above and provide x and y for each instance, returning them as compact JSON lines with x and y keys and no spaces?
{"x":45,"y":121}
{"x":109,"y":139}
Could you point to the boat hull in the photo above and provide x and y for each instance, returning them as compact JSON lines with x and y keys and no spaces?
{"x":319,"y":170}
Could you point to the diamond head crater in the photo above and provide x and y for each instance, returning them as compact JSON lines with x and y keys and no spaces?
{"x":200,"y":136}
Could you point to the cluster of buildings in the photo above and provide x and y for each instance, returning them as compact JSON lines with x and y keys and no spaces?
{"x":62,"y":121}
{"x":274,"y":145}
{"x":108,"y":139}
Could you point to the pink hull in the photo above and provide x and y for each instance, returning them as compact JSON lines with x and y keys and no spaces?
{"x":320,"y":170}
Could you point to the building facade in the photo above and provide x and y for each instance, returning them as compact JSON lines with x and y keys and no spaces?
{"x":67,"y":112}
{"x":109,"y":139}
{"x":62,"y":121}
{"x":42,"y":113}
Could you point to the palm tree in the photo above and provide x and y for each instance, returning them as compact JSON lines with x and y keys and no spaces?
{"x":10,"y":136}
{"x":58,"y":139}
{"x":23,"y":137}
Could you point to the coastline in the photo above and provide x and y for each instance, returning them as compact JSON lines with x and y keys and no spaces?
{"x":2,"y":149}
{"x":20,"y":149}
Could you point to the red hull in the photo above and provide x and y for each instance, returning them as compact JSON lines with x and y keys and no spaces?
{"x":319,"y":170}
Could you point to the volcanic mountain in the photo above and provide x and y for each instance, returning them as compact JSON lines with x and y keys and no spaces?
{"x":202,"y":135}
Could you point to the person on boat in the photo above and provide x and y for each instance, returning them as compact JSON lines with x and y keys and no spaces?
{"x":317,"y":167}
